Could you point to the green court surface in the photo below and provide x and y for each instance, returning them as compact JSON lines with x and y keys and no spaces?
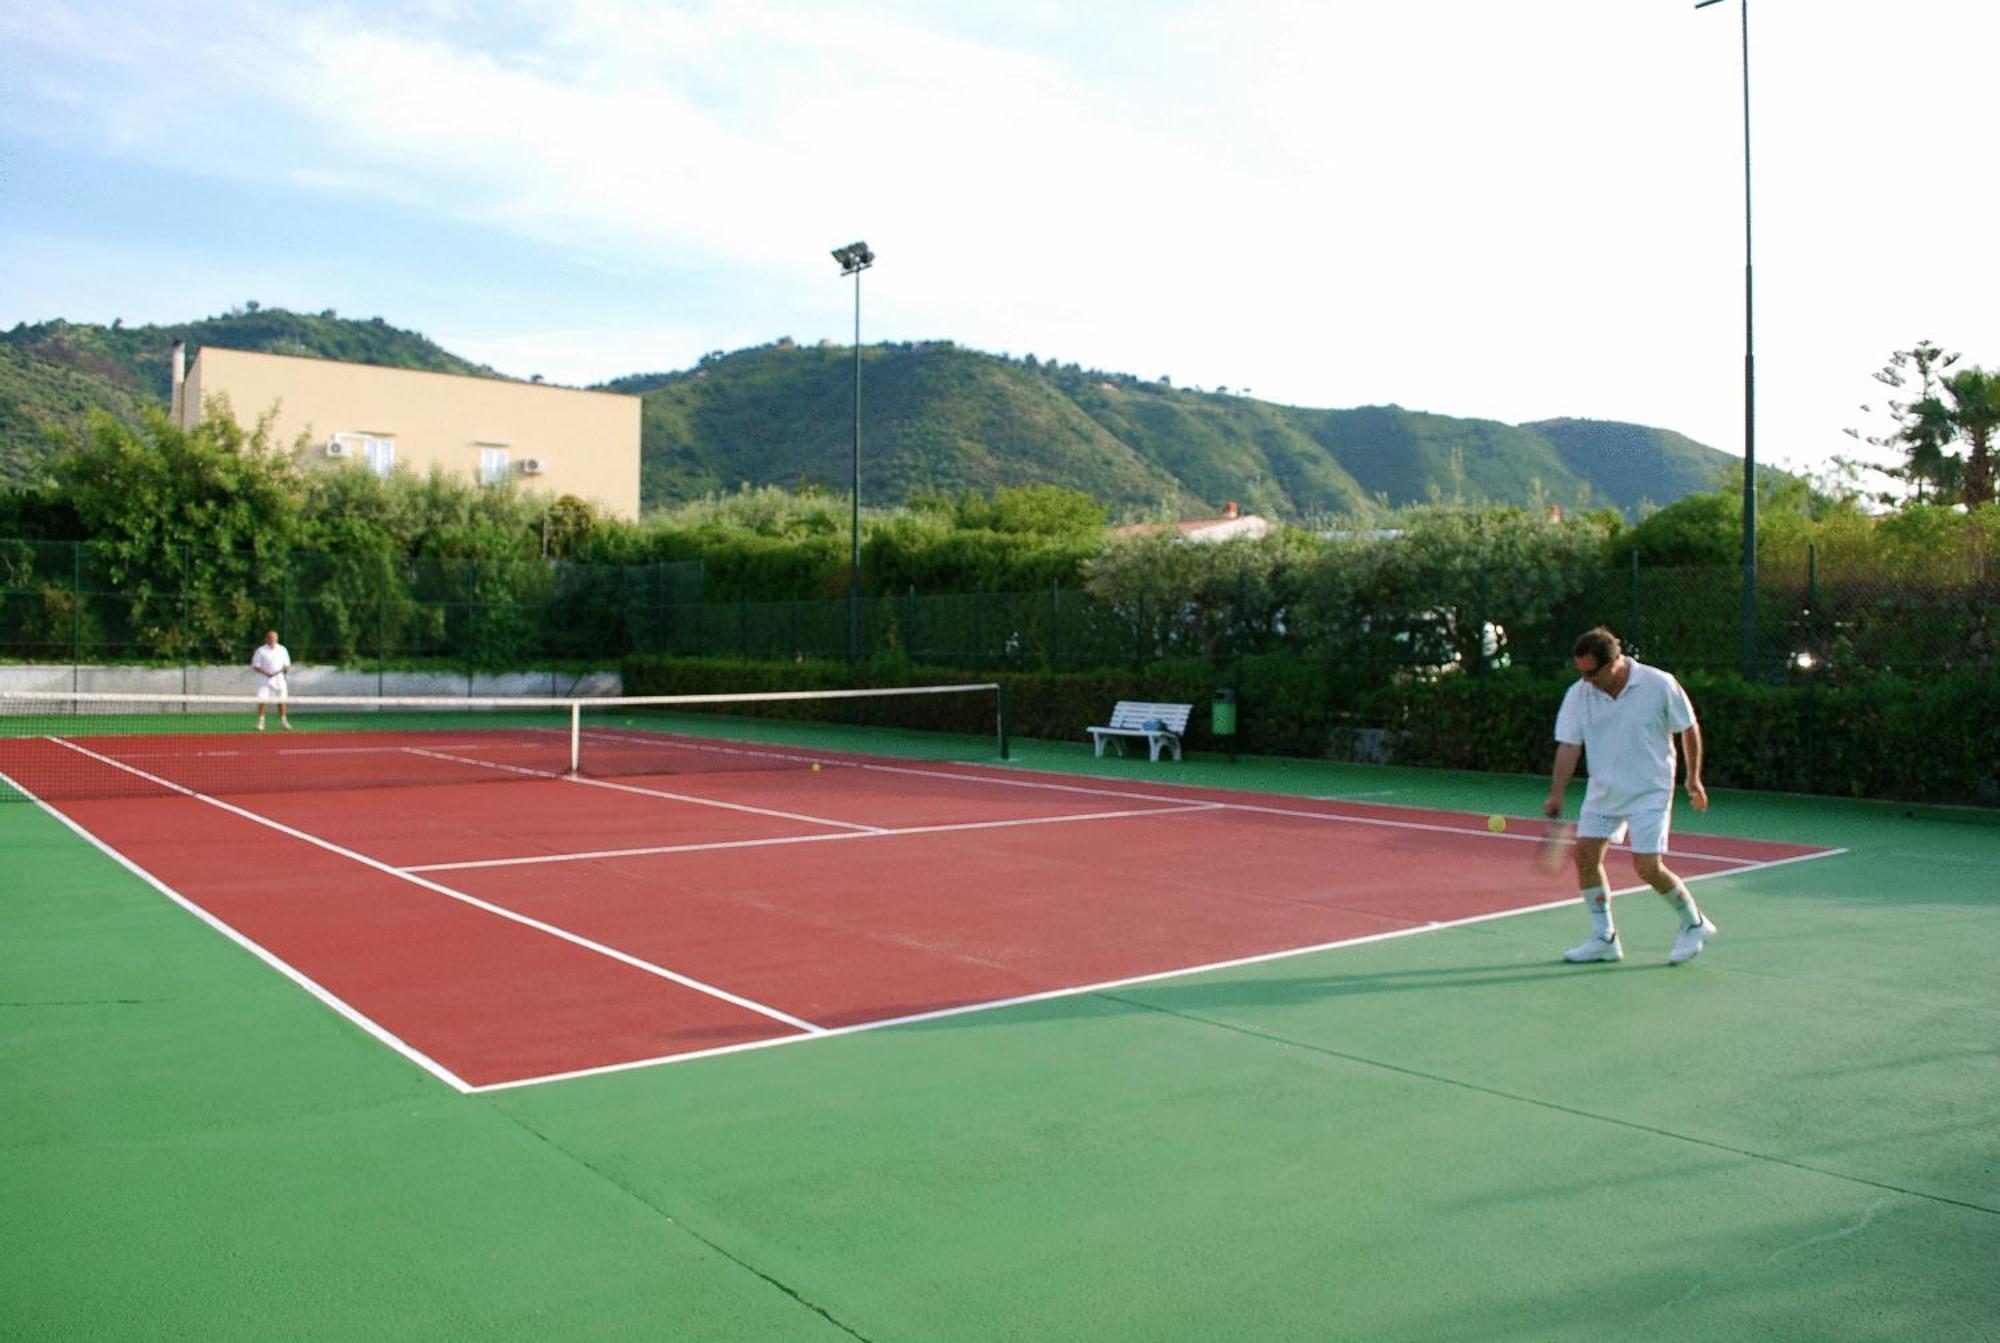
{"x":1441,"y":1136}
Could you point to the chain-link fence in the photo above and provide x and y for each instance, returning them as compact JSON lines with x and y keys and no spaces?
{"x":80,"y":603}
{"x":83,"y":603}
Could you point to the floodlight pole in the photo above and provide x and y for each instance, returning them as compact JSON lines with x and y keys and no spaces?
{"x":855,"y":258}
{"x":1749,"y":382}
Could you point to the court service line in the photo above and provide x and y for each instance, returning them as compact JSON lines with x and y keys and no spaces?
{"x":299,"y":977}
{"x":527,"y":921}
{"x":726,"y":806}
{"x":1091,"y":791}
{"x":774,"y":840}
{"x":763,"y":752}
{"x":650,"y":792}
{"x":1049,"y":995}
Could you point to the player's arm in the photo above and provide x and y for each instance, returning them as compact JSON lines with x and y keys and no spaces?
{"x":1567,"y":754}
{"x":1691,"y":757}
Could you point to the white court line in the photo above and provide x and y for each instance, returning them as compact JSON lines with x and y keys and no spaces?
{"x":1170,"y":802}
{"x":232,"y":754}
{"x":762,"y":751}
{"x":1466,"y":831}
{"x":340,"y":1006}
{"x":1180,"y":802}
{"x":726,"y":806}
{"x":774,"y":840}
{"x":576,"y":939}
{"x":652,"y":792}
{"x":1105,"y":986}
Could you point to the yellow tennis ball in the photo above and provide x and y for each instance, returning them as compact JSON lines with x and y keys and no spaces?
{"x":1497,"y":824}
{"x":815,"y":766}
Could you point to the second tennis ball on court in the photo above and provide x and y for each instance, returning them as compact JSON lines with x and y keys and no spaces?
{"x":815,"y":766}
{"x":1497,"y":824}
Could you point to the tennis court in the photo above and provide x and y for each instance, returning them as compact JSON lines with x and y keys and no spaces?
{"x":778,"y":1029}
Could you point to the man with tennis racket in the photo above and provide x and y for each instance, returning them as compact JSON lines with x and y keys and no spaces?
{"x":271,"y":661}
{"x":1625,"y":717}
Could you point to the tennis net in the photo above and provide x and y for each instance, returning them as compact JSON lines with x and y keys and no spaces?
{"x":59,"y":745}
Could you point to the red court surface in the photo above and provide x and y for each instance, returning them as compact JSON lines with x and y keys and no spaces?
{"x":525,"y":931}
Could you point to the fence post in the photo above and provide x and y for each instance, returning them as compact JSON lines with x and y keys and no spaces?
{"x":1479,"y":624}
{"x":76,"y":618}
{"x":1632,"y":638}
{"x":185,"y":648}
{"x":1055,"y":624}
{"x":1813,"y":667}
{"x":1236,"y":675}
{"x":382,"y":627}
{"x":471,"y":608}
{"x":979,"y":626}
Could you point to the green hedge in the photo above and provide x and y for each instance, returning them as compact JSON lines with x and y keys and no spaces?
{"x":1050,"y":705}
{"x":1933,"y":739}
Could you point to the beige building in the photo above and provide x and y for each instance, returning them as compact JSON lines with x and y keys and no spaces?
{"x":548,"y":440}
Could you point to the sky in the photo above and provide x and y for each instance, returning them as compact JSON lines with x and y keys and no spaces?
{"x":1511,"y":211}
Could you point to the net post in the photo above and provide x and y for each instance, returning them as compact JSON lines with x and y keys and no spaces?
{"x":1002,"y":715}
{"x":575,"y":736}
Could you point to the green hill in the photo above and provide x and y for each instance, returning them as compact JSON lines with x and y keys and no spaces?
{"x":934,"y":417}
{"x":938,"y":417}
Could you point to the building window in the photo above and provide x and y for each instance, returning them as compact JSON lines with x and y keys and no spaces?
{"x":493,"y":466}
{"x":378,"y":452}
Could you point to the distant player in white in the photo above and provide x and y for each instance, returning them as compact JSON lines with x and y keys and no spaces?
{"x":271,"y":662}
{"x":1625,"y":716}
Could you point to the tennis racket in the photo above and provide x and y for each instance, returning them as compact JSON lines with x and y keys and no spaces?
{"x":1553,"y":853}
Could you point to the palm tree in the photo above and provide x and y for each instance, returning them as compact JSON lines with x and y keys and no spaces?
{"x":1973,"y":413}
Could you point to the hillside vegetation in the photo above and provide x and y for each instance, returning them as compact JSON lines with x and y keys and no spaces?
{"x":935,"y":418}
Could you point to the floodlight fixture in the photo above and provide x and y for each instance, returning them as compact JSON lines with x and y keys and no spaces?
{"x":855,"y":258}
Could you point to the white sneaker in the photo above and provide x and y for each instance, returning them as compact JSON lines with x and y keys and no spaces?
{"x":260,"y":726}
{"x":1597,"y":949}
{"x":1688,"y":945}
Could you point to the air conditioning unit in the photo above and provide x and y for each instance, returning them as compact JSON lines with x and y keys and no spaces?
{"x":337,"y":448}
{"x":533,"y":466}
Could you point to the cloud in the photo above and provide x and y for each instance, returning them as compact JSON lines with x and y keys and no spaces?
{"x":1457,"y":205}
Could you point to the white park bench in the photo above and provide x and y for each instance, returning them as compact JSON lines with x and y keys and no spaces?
{"x":1160,"y":724}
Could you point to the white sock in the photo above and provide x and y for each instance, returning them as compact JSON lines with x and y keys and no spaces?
{"x":1684,"y":905}
{"x":1597,"y":901}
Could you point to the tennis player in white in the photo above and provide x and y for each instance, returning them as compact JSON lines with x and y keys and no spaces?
{"x":271,"y":662}
{"x":1625,"y":716}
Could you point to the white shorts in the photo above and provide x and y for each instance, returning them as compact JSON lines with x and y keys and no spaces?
{"x":273,"y":688}
{"x":1649,"y":829}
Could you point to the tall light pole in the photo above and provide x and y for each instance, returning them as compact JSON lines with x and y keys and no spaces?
{"x":855,"y":258}
{"x":1749,"y":382}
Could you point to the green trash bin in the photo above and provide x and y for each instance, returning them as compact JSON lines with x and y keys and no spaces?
{"x":1222,"y":714}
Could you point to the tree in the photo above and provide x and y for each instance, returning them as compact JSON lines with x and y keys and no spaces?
{"x":1945,"y":407}
{"x":186,"y":524}
{"x":1202,"y":599}
{"x":1450,"y":587}
{"x":1973,"y":410}
{"x":1701,"y":530}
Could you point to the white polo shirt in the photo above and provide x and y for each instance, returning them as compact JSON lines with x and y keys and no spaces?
{"x":271,"y":659}
{"x":1628,"y":741}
